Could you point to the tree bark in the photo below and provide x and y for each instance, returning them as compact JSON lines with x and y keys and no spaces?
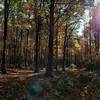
{"x":64,"y":49}
{"x":56,"y":48}
{"x":49,"y":69}
{"x":37,"y":42}
{"x":6,"y":11}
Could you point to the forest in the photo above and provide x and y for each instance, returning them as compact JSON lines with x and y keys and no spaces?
{"x":49,"y":50}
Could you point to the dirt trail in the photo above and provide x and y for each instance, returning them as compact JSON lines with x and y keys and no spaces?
{"x":14,"y":76}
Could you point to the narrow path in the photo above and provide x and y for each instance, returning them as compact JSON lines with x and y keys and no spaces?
{"x":14,"y":76}
{"x":18,"y":74}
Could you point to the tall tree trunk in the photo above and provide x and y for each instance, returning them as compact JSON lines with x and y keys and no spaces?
{"x":90,"y":46}
{"x":49,"y":69}
{"x":26,"y":49}
{"x":64,"y":49}
{"x":36,"y":51}
{"x":6,"y":10}
{"x":57,"y":48}
{"x":21,"y":46}
{"x":37,"y":42}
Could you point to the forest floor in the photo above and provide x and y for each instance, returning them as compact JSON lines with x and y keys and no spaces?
{"x":21,"y":74}
{"x":74,"y":83}
{"x":14,"y":77}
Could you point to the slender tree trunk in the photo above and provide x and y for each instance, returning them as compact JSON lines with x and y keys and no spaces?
{"x":37,"y":42}
{"x":98,"y":39}
{"x":90,"y":46}
{"x":64,"y":53}
{"x":21,"y":46}
{"x":26,"y":49}
{"x":57,"y":49}
{"x":49,"y":69}
{"x":64,"y":49}
{"x":6,"y":5}
{"x":36,"y":51}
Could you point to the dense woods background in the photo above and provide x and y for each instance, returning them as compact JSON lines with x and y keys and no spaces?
{"x":42,"y":35}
